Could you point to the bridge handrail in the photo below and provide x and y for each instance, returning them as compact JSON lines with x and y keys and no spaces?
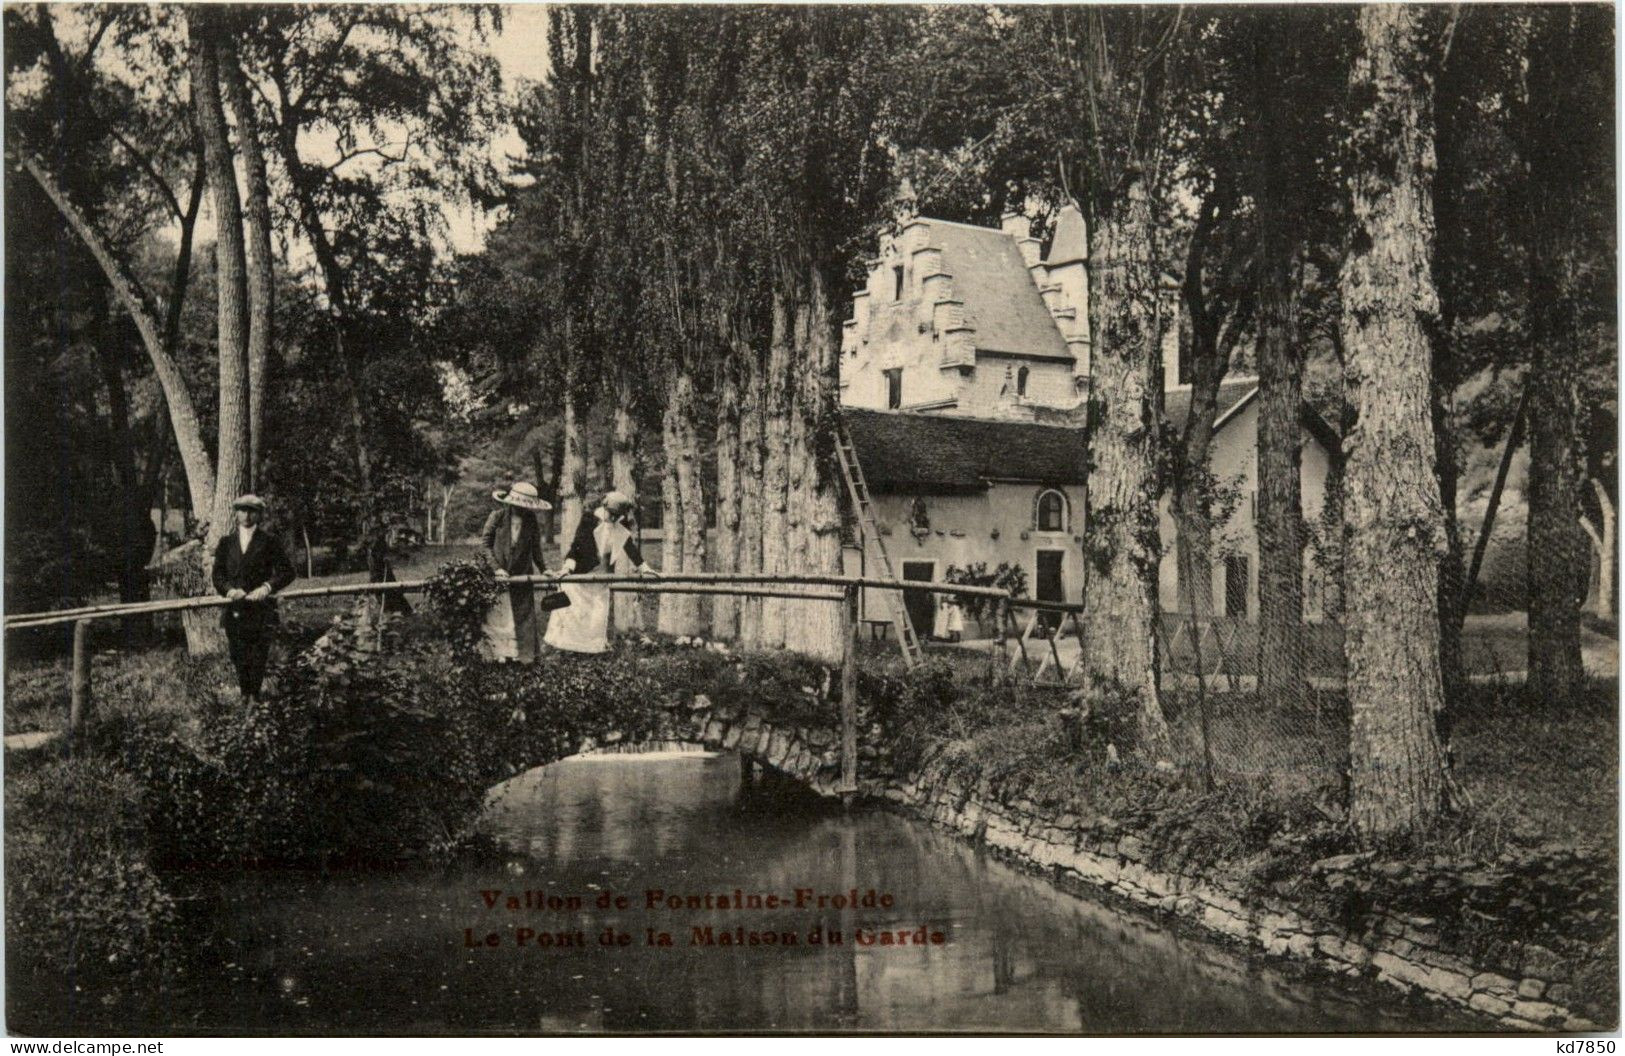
{"x":644,"y":583}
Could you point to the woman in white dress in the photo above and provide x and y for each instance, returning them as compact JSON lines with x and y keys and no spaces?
{"x":603,"y":543}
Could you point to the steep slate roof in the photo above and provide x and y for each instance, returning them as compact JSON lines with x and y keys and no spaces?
{"x":1071,"y":241}
{"x":901,"y":451}
{"x":1176,"y":403}
{"x":1001,"y":300}
{"x":1233,"y":397}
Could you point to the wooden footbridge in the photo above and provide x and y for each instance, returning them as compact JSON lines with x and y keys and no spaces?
{"x":1015,"y":644}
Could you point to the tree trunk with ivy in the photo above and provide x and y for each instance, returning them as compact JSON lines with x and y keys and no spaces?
{"x":777,"y":414}
{"x":749,"y":548}
{"x":1281,"y":660}
{"x":691,"y":484}
{"x":1124,"y":547}
{"x":815,"y":498}
{"x":684,"y":545}
{"x":1393,"y":517}
{"x":1558,"y":142}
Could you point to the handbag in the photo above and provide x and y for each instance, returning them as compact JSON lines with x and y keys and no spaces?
{"x":553,"y":600}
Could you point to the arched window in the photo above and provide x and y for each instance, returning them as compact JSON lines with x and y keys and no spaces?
{"x":1021,"y":382}
{"x":1049,"y":513}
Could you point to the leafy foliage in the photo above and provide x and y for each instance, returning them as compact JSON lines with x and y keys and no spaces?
{"x":1012,"y":578}
{"x":459,"y":596}
{"x":82,"y":901}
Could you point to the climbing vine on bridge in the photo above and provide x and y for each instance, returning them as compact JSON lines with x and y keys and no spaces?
{"x":459,"y":596}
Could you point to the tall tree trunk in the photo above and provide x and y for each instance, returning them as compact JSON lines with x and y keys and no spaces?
{"x":571,"y":507}
{"x":725,"y":608}
{"x":817,"y":623}
{"x":623,"y":465}
{"x":1209,"y":331}
{"x":261,"y":279}
{"x":1605,"y":552}
{"x":231,"y":472}
{"x":1454,"y":174}
{"x":751,"y":494}
{"x":1394,"y":522}
{"x":777,"y":416}
{"x":672,"y":617}
{"x":1281,"y":660}
{"x":1557,"y":547}
{"x":121,"y":276}
{"x":1121,"y":593}
{"x":691,"y":485}
{"x":231,"y":448}
{"x":798,"y":463}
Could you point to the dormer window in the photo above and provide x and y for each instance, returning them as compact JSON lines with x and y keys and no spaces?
{"x":897,"y":280}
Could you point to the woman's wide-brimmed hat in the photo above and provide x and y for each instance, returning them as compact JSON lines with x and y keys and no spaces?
{"x":249,"y":502}
{"x":618,"y":502}
{"x":523,"y":495}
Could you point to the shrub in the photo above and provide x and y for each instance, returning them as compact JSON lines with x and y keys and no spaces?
{"x":354,"y":755}
{"x":82,"y":902}
{"x":459,"y":595}
{"x":1006,"y":577}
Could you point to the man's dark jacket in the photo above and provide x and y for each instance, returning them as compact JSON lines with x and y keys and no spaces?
{"x":265,"y":562}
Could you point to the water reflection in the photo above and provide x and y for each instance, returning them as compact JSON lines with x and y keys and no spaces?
{"x":388,"y":953}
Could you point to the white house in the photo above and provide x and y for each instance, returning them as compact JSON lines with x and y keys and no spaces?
{"x":961,"y":491}
{"x":964,"y":372}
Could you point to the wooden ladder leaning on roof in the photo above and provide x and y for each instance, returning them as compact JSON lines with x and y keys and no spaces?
{"x":858,"y":490}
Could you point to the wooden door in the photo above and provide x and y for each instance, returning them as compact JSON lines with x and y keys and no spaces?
{"x":922,"y":605}
{"x":1049,"y":585}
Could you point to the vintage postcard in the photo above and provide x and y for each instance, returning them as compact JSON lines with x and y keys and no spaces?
{"x":872,"y":519}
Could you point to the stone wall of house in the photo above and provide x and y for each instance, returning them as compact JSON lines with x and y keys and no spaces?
{"x":1528,"y":989}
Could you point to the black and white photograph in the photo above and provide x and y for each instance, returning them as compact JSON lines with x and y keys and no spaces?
{"x":777,"y":519}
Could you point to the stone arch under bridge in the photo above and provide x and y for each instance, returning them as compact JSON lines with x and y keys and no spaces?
{"x":808,"y":753}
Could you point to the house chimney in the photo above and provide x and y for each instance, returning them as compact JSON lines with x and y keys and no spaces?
{"x":1016,"y":225}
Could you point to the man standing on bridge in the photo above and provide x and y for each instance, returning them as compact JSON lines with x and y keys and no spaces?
{"x":249,"y":567}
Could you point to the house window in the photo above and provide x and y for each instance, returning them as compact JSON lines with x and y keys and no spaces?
{"x":1021,"y":382}
{"x":897,"y":282}
{"x":1050,"y":515}
{"x":894,"y":388}
{"x":1237,"y":573}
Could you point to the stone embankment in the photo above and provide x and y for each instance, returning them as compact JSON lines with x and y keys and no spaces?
{"x":1528,"y":988}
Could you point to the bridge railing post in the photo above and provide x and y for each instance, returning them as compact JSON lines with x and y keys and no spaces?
{"x":849,"y":694}
{"x":80,"y":701}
